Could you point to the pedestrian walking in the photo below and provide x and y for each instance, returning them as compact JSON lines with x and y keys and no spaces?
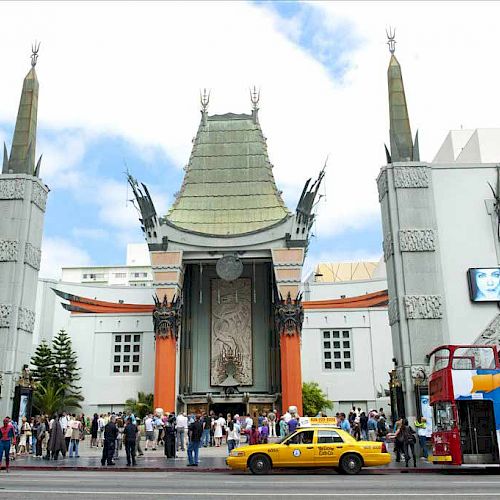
{"x":372,"y":427}
{"x":25,"y":436}
{"x":381,"y":429}
{"x":181,"y":429}
{"x":150,"y":432}
{"x":76,"y":434}
{"x":407,"y":435}
{"x":421,"y":425}
{"x":195,"y":431}
{"x":254,"y":436}
{"x":219,"y":425}
{"x":56,"y":443}
{"x":130,"y":438}
{"x":94,"y":427}
{"x":68,"y":430}
{"x":34,"y":423}
{"x":283,"y":427}
{"x":363,"y":425}
{"x":42,"y":433}
{"x":110,"y":436}
{"x":140,"y":432}
{"x":169,"y":432}
{"x":120,"y":425}
{"x":7,"y":437}
{"x":100,"y":429}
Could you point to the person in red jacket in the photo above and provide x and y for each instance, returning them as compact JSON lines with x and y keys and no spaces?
{"x":7,"y":436}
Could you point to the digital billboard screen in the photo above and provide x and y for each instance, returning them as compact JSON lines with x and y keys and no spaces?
{"x":484,"y":284}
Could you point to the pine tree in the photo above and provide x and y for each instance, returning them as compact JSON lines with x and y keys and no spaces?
{"x":43,"y":364}
{"x":65,"y":363}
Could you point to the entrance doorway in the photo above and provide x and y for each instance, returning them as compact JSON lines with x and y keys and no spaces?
{"x":478,"y":437}
{"x":232,"y":408}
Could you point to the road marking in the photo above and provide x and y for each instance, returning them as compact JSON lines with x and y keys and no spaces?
{"x":232,"y":494}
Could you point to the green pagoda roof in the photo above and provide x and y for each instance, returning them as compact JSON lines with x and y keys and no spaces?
{"x":228,"y":187}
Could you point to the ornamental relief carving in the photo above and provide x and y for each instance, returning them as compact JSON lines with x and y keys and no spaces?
{"x":5,"y":315}
{"x":8,"y":250}
{"x":388,"y":246}
{"x":12,"y":189}
{"x":417,"y":240}
{"x":26,"y":320}
{"x":411,"y":177}
{"x":393,"y":311}
{"x":39,"y":196}
{"x":32,"y":256}
{"x":491,"y":334}
{"x":423,"y":306}
{"x":382,"y":185}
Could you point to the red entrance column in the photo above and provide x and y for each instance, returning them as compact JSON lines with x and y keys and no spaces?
{"x":289,"y":314}
{"x":291,"y":371}
{"x":165,"y":365}
{"x":166,"y":320}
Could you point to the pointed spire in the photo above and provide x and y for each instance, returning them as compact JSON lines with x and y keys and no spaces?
{"x":22,"y":154}
{"x":402,"y":147}
{"x":254,"y":98}
{"x":204,"y":101}
{"x":5,"y":168}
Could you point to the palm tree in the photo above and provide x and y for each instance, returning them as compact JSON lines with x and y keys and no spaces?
{"x":141,"y":406}
{"x":50,"y":399}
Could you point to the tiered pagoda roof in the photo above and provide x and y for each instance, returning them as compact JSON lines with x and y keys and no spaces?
{"x":228,"y":187}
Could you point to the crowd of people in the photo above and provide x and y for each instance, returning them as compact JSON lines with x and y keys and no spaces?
{"x":60,"y":435}
{"x":374,"y":426}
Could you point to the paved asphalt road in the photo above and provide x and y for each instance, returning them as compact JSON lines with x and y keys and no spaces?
{"x":30,"y":485}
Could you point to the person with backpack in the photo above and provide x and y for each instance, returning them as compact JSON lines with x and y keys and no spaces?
{"x":406,"y":435}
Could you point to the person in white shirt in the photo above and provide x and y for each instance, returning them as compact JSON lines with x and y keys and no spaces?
{"x":150,"y":431}
{"x":100,"y":428}
{"x":66,"y":424}
{"x":219,"y":425}
{"x":182,"y":425}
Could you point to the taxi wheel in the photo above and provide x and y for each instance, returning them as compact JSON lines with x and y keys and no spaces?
{"x":351,"y":464}
{"x":259,"y":464}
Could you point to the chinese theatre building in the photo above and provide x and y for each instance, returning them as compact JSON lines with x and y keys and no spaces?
{"x":227,"y":261}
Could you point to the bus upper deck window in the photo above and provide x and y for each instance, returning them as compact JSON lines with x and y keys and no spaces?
{"x":440,"y":359}
{"x":473,"y":358}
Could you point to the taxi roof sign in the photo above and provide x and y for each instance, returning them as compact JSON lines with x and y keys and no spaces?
{"x":312,"y":421}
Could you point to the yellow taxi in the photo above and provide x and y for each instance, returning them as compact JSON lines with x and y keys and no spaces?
{"x":311,"y":447}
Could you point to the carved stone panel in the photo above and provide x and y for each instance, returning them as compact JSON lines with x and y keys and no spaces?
{"x":417,"y":240}
{"x":32,"y":256}
{"x":423,"y":306}
{"x":411,"y":177}
{"x":231,"y":336}
{"x":39,"y":196}
{"x":26,"y":319}
{"x":382,"y":184}
{"x":12,"y":189}
{"x":5,"y":315}
{"x":388,"y":246}
{"x":393,"y":311}
{"x":8,"y":250}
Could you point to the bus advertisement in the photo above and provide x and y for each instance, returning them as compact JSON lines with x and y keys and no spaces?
{"x":464,"y":389}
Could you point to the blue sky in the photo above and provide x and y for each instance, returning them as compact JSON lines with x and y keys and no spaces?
{"x":128,"y":95}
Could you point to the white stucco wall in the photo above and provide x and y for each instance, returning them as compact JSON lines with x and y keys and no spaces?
{"x":92,"y":339}
{"x":466,"y":239}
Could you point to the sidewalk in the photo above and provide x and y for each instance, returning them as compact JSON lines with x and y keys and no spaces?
{"x":211,"y":460}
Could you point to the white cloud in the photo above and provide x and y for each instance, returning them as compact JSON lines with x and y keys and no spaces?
{"x":90,"y":233}
{"x":58,"y":253}
{"x":139,"y":73}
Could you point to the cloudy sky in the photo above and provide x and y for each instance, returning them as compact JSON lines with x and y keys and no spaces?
{"x":119,"y":88}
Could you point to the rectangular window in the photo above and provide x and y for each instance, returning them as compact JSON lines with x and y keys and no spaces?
{"x":120,"y":275}
{"x":127,"y":363}
{"x":340,"y":351}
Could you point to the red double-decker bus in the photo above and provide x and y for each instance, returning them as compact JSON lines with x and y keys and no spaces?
{"x":464,"y":389}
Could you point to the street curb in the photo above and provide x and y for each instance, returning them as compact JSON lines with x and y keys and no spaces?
{"x":225,"y":470}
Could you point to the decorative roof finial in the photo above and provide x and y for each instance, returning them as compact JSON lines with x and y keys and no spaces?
{"x":204,"y":100}
{"x":35,"y":47}
{"x":254,"y":97}
{"x":391,"y":35}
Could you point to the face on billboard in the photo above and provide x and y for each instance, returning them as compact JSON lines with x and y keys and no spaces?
{"x":485,"y":284}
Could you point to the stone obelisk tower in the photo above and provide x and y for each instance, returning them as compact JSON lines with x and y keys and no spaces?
{"x":22,"y":208}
